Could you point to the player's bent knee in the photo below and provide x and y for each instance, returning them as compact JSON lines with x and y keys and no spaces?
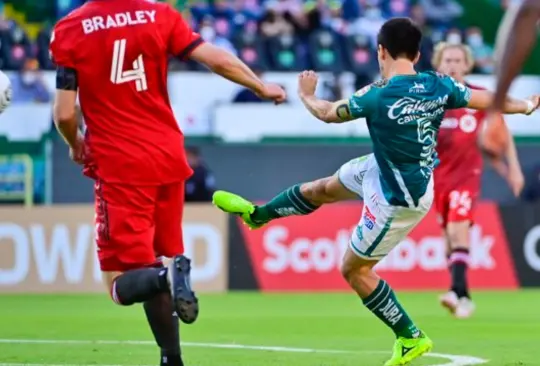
{"x":354,"y":266}
{"x":319,"y":192}
{"x":109,"y":279}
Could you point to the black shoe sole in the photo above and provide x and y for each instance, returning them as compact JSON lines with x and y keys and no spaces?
{"x":185,"y":301}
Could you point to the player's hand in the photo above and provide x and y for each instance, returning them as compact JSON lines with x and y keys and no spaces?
{"x":516,"y":181}
{"x":307,"y":83}
{"x":535,"y":100}
{"x":273,"y":92}
{"x":77,"y":153}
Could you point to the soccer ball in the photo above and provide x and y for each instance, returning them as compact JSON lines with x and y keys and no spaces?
{"x":495,"y":137}
{"x":5,"y":92}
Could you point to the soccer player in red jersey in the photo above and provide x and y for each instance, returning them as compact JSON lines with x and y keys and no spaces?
{"x":113,"y":55}
{"x":458,"y":176}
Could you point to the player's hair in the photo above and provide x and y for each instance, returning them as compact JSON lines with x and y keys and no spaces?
{"x":441,"y":47}
{"x":401,"y":37}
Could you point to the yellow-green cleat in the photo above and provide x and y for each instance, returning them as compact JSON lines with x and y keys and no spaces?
{"x":408,"y":349}
{"x":236,"y":205}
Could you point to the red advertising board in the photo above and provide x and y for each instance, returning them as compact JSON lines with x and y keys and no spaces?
{"x":303,"y":253}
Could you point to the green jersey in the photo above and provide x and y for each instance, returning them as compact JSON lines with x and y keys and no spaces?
{"x":403,"y":116}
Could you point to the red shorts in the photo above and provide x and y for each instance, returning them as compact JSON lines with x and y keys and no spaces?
{"x":456,"y":205}
{"x":137,"y":224}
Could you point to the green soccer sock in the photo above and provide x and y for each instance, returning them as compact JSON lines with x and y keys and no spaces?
{"x":288,"y":203}
{"x":383,"y":303}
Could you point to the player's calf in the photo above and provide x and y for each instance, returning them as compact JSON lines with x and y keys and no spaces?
{"x":136,"y":286}
{"x":380,"y":299}
{"x":457,"y":235}
{"x":141,"y":285}
{"x":302,"y":199}
{"x":377,"y":295}
{"x":164,"y":324}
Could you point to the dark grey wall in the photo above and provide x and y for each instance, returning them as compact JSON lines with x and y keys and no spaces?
{"x":260,"y":171}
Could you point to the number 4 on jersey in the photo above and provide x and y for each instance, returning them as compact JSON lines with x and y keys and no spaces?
{"x":119,"y":75}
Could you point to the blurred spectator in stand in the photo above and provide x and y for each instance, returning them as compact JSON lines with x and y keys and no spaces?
{"x":370,"y":23}
{"x":293,"y":11}
{"x":223,"y":11}
{"x":16,"y":46}
{"x":198,"y":9}
{"x":335,"y":20}
{"x":245,"y":11}
{"x":396,"y":8}
{"x":483,"y":53}
{"x":454,"y":36}
{"x":202,"y":184}
{"x":273,"y":23}
{"x":216,"y":33}
{"x":426,"y":49}
{"x":28,"y":84}
{"x":5,"y":24}
{"x":441,"y":13}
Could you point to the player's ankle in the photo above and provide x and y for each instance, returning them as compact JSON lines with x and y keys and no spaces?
{"x":171,"y":358}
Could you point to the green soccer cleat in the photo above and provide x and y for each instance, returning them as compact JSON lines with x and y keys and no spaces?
{"x":236,"y":205}
{"x":408,"y":349}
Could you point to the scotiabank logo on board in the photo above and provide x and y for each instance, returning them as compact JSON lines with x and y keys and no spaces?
{"x":305,"y":253}
{"x":51,"y":249}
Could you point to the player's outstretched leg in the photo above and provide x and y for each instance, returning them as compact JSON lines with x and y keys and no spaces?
{"x":380,"y":299}
{"x":164,"y":324}
{"x":140,"y":285}
{"x":298,"y":200}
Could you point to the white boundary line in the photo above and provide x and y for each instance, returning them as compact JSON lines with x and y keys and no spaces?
{"x":454,"y":360}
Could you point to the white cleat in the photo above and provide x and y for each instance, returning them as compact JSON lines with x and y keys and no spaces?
{"x":465,"y":308}
{"x":449,"y":301}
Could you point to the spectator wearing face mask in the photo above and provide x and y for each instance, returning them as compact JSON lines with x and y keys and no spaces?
{"x":454,"y":36}
{"x":483,"y":53}
{"x":441,"y":13}
{"x":370,"y":23}
{"x":207,"y":30}
{"x":28,"y":85}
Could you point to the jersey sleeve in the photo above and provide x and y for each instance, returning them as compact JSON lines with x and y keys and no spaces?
{"x":459,"y":95}
{"x":183,"y":40}
{"x":361,"y":103}
{"x":59,"y":49}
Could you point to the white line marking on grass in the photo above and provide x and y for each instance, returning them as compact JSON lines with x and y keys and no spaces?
{"x":454,"y":360}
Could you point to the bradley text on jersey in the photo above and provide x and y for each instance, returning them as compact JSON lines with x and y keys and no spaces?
{"x":118,"y":20}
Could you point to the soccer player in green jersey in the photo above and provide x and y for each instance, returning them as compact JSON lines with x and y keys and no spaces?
{"x":403,"y":112}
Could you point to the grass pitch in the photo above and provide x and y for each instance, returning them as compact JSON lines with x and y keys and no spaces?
{"x":312,"y":329}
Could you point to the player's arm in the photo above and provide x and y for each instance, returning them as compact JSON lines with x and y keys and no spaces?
{"x":227,"y":65}
{"x":329,"y":112}
{"x":186,"y":44}
{"x":482,"y":100}
{"x":65,"y":110}
{"x":516,"y":38}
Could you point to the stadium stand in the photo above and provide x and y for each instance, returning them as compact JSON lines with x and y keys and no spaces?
{"x":271,"y":35}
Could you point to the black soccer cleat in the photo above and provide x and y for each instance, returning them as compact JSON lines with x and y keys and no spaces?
{"x":185,"y":302}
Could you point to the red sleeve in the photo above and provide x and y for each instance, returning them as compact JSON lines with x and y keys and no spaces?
{"x":182,"y":40}
{"x":59,"y":50}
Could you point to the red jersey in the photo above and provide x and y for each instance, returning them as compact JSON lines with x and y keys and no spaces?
{"x":458,"y":151}
{"x":119,"y":50}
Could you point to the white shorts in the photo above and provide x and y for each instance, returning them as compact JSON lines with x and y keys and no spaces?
{"x":382,"y":226}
